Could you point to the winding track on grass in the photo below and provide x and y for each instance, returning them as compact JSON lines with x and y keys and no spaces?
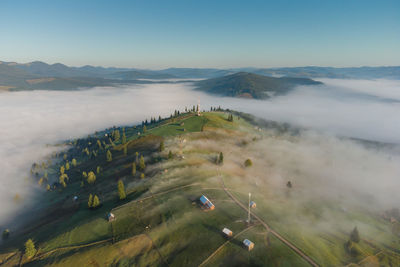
{"x":277,"y":235}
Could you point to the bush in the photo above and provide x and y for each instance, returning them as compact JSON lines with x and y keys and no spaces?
{"x":30,"y":249}
{"x":248,"y":163}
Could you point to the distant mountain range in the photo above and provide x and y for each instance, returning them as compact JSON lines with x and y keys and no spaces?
{"x":40,"y":75}
{"x":250,"y":85}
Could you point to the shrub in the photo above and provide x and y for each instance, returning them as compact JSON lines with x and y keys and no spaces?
{"x":248,"y":163}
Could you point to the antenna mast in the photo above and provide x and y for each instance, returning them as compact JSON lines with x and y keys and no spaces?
{"x":248,"y":219}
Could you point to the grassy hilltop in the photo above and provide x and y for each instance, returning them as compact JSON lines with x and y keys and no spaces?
{"x":161,"y":223}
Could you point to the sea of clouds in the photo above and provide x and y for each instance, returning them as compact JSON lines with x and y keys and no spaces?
{"x":366,"y":109}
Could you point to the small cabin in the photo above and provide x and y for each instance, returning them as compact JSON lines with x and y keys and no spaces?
{"x":248,"y":244}
{"x":111,"y":217}
{"x":227,"y":232}
{"x":252,"y":204}
{"x":75,"y":198}
{"x":206,"y":203}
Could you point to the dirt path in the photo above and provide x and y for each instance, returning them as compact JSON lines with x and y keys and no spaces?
{"x":276,"y":234}
{"x":153,"y":195}
{"x":224,"y":244}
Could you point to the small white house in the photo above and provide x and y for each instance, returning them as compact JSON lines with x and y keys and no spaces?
{"x":248,"y":244}
{"x":75,"y":198}
{"x":227,"y":232}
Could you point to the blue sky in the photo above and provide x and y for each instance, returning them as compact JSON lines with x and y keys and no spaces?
{"x":167,"y":33}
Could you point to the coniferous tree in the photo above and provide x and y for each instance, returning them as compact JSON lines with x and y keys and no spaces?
{"x":159,"y":118}
{"x":161,"y":148}
{"x":98,"y":169}
{"x":48,"y":187}
{"x":67,"y":166}
{"x":144,"y":128}
{"x":142,"y":175}
{"x":133,"y":169}
{"x":137,"y":157}
{"x":96,"y":201}
{"x":354,"y":235}
{"x":62,"y":170}
{"x":73,"y":162}
{"x":30,"y":249}
{"x":170,"y":154}
{"x":142,"y":165}
{"x":116,"y":135}
{"x":121,"y":190}
{"x":90,"y":201}
{"x":125,"y":150}
{"x":109,"y":156}
{"x":221,"y":158}
{"x":123,"y":138}
{"x":99,"y":144}
{"x":91,"y":178}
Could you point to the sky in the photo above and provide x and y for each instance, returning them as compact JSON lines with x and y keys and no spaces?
{"x":188,"y":33}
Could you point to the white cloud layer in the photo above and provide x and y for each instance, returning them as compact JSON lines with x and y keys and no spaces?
{"x":30,"y":120}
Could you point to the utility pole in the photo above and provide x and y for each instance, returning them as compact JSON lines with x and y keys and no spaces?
{"x":248,"y":219}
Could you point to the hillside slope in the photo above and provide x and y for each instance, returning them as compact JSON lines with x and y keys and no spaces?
{"x":244,"y":84}
{"x":161,"y":221}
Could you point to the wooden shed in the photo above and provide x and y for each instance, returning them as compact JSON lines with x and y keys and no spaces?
{"x":248,"y":244}
{"x":227,"y":232}
{"x":206,"y":203}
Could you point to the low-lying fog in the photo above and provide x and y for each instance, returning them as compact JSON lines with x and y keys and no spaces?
{"x":354,"y":108}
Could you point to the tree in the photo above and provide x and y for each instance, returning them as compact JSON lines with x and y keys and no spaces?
{"x":90,"y":201}
{"x":96,"y":202}
{"x":142,"y":175}
{"x":161,"y":146}
{"x":248,"y":163}
{"x":125,"y":150}
{"x":230,"y":117}
{"x":62,"y":170}
{"x":67,"y":166}
{"x":65,"y":157}
{"x":116,"y":135}
{"x":221,"y":158}
{"x":170,"y":154}
{"x":354,"y":235}
{"x":142,"y":165}
{"x":144,"y":128}
{"x":123,"y":138}
{"x":62,"y":179}
{"x":289,"y":184}
{"x":99,"y":144}
{"x":137,"y":157}
{"x":91,"y":177}
{"x":30,"y":249}
{"x":48,"y":187}
{"x":121,"y":190}
{"x":98,"y":169}
{"x":84,"y":174}
{"x":74,"y":162}
{"x":109,"y":156}
{"x":133,"y":169}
